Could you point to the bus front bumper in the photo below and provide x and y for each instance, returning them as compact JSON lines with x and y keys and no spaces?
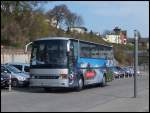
{"x":49,"y":83}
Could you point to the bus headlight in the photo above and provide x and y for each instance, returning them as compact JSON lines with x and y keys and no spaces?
{"x":63,"y":76}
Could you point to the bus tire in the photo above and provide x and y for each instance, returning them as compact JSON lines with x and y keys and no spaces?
{"x":103,"y":83}
{"x":80,"y":84}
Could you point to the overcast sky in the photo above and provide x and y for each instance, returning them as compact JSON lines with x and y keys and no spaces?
{"x":105,"y":15}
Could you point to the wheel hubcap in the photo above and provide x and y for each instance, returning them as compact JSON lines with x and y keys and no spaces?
{"x":14,"y":83}
{"x":80,"y":83}
{"x":104,"y":80}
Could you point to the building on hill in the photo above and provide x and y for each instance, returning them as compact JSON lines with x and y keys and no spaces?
{"x":117,"y":36}
{"x":78,"y":29}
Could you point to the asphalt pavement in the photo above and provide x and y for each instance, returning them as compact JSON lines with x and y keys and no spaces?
{"x":117,"y":96}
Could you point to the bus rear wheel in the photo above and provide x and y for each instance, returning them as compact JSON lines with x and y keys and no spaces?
{"x":104,"y":82}
{"x":80,"y":84}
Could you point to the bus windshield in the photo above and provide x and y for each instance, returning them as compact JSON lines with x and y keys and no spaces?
{"x":49,"y":54}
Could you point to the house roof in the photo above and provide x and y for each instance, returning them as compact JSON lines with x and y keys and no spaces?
{"x":81,"y":28}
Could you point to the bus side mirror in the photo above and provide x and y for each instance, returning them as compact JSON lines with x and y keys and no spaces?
{"x":26,"y":47}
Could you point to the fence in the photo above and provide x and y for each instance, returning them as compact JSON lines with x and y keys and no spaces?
{"x":13,"y":55}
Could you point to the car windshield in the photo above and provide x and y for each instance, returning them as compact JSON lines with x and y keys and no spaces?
{"x":114,"y":69}
{"x":127,"y":69}
{"x":13,"y":69}
{"x":49,"y":54}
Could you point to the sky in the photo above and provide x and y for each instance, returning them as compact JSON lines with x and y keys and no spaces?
{"x":99,"y":16}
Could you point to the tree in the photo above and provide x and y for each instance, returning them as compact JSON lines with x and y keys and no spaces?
{"x":58,"y":14}
{"x":106,"y":32}
{"x":73,"y":20}
{"x":91,"y":32}
{"x":17,"y":17}
{"x":63,"y":17}
{"x":18,"y":7}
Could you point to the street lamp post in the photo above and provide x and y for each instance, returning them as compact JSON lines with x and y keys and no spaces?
{"x":10,"y":82}
{"x":136,"y":34}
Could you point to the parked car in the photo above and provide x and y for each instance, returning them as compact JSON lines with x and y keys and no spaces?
{"x":128,"y":71}
{"x":4,"y":81}
{"x":24,"y":67}
{"x":132,"y":70}
{"x":117,"y":71}
{"x":121,"y":71}
{"x":18,"y":78}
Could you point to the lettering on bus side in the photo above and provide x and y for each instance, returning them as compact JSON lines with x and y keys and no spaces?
{"x":89,"y":72}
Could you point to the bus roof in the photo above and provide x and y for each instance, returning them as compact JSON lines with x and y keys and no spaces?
{"x":68,"y":38}
{"x":53,"y":38}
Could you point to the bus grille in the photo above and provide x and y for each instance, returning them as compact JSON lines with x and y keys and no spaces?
{"x":46,"y":77}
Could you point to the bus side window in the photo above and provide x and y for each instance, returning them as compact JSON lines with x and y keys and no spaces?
{"x":75,"y":44}
{"x":85,"y":50}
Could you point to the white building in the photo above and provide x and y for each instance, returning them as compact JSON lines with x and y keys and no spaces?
{"x":117,"y":36}
{"x":53,"y":22}
{"x":78,"y":29}
{"x":112,"y":38}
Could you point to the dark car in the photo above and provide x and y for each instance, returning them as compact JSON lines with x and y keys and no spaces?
{"x":4,"y":81}
{"x":128,"y":71}
{"x":117,"y":71}
{"x":121,"y":71}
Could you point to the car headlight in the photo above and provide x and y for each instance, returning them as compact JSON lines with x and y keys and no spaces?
{"x":116,"y":72}
{"x":21,"y":78}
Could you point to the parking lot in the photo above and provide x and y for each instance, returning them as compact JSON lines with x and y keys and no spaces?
{"x":116,"y":96}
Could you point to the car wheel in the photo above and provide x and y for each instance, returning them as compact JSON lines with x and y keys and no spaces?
{"x":14,"y":83}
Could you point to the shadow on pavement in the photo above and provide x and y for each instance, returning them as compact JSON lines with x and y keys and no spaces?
{"x":52,"y":90}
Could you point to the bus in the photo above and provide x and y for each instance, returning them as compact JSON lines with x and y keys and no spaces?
{"x":68,"y":63}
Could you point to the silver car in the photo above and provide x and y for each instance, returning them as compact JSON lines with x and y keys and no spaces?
{"x":24,"y":67}
{"x":18,"y":78}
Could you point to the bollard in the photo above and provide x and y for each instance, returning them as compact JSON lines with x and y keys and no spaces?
{"x":128,"y":75}
{"x":9,"y":82}
{"x":114,"y":77}
{"x":119,"y":77}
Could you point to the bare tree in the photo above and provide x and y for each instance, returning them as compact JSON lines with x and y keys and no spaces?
{"x":58,"y":13}
{"x":64,"y":17}
{"x":73,"y":20}
{"x":106,"y":32}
